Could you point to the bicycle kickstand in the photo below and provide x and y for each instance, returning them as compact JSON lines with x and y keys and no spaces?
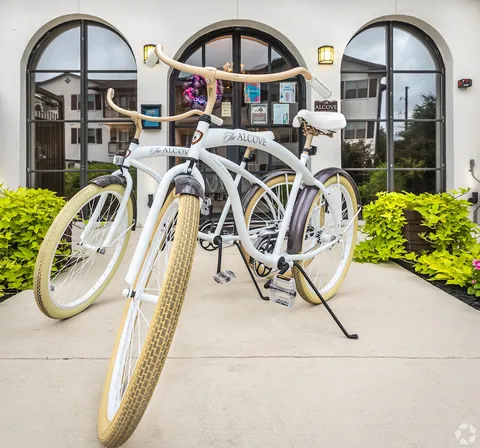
{"x":305,"y":275}
{"x":250,"y":272}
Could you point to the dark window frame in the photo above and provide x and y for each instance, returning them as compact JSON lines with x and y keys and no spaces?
{"x":237,"y":33}
{"x":389,"y":121}
{"x":79,"y":100}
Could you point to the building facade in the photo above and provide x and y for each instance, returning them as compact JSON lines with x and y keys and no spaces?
{"x":395,"y":73}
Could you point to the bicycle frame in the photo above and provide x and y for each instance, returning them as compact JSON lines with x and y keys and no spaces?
{"x":213,"y":138}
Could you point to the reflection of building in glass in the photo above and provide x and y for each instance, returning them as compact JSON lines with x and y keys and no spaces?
{"x":58,"y":98}
{"x":362,"y":99}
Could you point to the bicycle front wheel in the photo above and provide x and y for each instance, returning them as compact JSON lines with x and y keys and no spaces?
{"x":73,"y":267}
{"x":146,"y":331}
{"x":328,"y":269}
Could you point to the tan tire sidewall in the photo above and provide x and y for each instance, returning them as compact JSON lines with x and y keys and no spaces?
{"x":303,"y":288}
{"x":41,"y":276}
{"x":157,"y":343}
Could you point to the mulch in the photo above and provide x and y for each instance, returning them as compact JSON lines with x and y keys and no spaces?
{"x":456,"y":291}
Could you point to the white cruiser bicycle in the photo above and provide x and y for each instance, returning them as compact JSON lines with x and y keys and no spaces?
{"x":310,"y":221}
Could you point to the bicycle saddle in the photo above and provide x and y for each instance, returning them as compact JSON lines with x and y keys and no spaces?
{"x":321,"y":121}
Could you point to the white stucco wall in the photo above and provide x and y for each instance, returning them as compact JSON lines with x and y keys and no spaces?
{"x":304,"y":24}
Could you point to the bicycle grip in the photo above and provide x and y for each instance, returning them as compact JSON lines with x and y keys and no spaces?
{"x":320,"y":87}
{"x":152,"y":59}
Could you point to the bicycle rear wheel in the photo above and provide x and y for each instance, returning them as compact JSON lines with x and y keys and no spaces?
{"x":328,"y":269}
{"x":147,"y":329}
{"x":73,"y":267}
{"x":263,"y":217}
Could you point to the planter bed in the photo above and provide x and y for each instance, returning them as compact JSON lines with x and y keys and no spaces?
{"x":454,"y":290}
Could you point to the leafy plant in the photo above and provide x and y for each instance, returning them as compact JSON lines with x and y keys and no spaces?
{"x":453,"y":268}
{"x":25,"y":216}
{"x":384,"y":222}
{"x":453,"y":236}
{"x":448,"y":215}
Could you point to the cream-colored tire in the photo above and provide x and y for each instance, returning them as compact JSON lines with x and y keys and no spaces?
{"x":328,"y":269}
{"x":130,"y":384}
{"x":65,"y":285}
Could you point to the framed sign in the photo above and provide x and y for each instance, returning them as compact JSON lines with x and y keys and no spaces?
{"x":258,"y":114}
{"x":152,"y":110}
{"x":252,"y":92}
{"x":287,"y":92}
{"x":326,"y":106}
{"x":281,"y":113}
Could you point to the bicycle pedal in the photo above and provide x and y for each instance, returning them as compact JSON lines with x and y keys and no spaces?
{"x":224,"y":276}
{"x":283,"y":290}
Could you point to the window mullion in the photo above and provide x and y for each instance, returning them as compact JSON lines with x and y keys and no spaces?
{"x":83,"y":105}
{"x":390,"y":105}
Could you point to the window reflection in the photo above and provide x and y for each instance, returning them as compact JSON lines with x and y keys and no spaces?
{"x":412,"y":116}
{"x":369,"y":48}
{"x":125,"y":86}
{"x":254,"y":57}
{"x":369,"y":183}
{"x":218,"y":52}
{"x":370,"y":88}
{"x":108,"y":51}
{"x":60,"y":52}
{"x":364,"y":145}
{"x":410,"y":53}
{"x":67,"y":122}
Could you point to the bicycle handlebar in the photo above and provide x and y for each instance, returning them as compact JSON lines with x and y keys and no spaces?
{"x":214,"y":73}
{"x":136,"y":115}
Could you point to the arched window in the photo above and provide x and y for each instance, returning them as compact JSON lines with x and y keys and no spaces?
{"x":72,"y":133}
{"x":248,"y":106}
{"x":393,"y":99}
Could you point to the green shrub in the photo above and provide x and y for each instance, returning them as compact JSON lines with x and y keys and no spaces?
{"x":384,"y":222}
{"x":25,"y":216}
{"x":453,"y":235}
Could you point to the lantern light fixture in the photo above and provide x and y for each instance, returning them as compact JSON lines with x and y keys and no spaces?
{"x":147,"y":49}
{"x":326,"y":55}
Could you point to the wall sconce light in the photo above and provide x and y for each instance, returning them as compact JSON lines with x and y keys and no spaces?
{"x":326,"y":55}
{"x":147,"y":49}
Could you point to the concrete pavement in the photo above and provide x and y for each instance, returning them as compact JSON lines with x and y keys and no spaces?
{"x":248,"y":373}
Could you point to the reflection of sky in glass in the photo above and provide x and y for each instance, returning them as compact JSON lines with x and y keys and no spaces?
{"x":218,"y":52}
{"x":409,"y":53}
{"x":106,"y":51}
{"x":62,"y":53}
{"x":254,"y":54}
{"x":369,"y":46}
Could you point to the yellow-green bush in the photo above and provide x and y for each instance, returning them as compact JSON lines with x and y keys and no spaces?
{"x":25,"y":216}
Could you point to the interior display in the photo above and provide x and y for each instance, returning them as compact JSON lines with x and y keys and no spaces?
{"x":258,"y":114}
{"x":287,"y":92}
{"x":281,"y":113}
{"x":194,"y":92}
{"x":252,"y":92}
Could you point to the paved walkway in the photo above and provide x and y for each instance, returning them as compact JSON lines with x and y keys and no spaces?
{"x":248,"y":373}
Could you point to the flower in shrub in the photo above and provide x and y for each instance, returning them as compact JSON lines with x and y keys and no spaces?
{"x":474,"y":290}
